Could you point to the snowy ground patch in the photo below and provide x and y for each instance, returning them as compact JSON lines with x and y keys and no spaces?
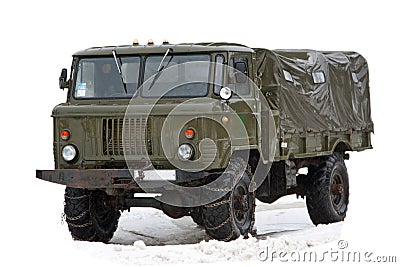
{"x":146,"y":236}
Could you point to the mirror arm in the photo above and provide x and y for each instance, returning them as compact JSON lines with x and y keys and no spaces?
{"x":65,"y":85}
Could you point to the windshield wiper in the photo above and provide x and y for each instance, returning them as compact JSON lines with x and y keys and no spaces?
{"x":119,"y":70}
{"x":161,"y":67}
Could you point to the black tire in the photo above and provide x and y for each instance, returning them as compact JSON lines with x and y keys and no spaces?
{"x":327,"y":192}
{"x":197,"y":215}
{"x":233,"y":214}
{"x":88,"y":217}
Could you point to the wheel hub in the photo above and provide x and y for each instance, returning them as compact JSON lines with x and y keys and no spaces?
{"x":240,"y":203}
{"x":337,"y":191}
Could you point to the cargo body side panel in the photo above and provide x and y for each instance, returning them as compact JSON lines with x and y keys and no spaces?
{"x":322,"y":99}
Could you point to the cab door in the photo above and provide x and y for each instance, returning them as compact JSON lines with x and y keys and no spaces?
{"x":243,"y":100}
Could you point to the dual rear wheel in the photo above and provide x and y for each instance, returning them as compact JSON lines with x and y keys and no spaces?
{"x":327,"y":190}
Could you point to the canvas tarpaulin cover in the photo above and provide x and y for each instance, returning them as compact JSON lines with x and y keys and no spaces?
{"x":316,"y":91}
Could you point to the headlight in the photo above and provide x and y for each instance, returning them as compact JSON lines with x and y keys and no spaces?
{"x":185,"y":152}
{"x":69,"y":153}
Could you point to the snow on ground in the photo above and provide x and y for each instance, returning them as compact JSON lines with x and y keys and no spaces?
{"x":146,"y":236}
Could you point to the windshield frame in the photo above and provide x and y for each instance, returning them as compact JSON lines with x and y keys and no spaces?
{"x":138,"y":92}
{"x":92,"y":100}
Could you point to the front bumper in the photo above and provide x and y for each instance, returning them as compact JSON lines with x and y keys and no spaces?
{"x":106,"y":178}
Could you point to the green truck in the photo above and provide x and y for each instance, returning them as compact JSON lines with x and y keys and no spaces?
{"x":205,"y":129}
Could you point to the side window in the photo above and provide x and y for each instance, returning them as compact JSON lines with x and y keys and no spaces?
{"x":238,"y":75}
{"x":318,"y":77}
{"x":241,"y":69}
{"x":241,"y":66}
{"x":219,"y":73}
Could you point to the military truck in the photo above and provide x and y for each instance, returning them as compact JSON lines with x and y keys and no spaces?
{"x":258,"y":124}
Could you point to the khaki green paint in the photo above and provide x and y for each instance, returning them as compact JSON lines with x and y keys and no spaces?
{"x":85,"y":119}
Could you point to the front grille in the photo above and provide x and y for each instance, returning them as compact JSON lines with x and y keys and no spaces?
{"x":135,"y":133}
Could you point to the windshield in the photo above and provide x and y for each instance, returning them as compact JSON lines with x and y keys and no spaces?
{"x":178,"y":76}
{"x":99,"y":77}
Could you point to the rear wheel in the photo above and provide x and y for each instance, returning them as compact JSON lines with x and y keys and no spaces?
{"x":88,"y":216}
{"x":233,"y":214}
{"x":327,"y":195}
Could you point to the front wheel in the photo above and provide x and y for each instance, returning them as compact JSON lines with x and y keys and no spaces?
{"x":327,"y":195}
{"x":88,"y":216}
{"x":197,"y":215}
{"x":233,"y":214}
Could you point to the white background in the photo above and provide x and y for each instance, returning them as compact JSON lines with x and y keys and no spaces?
{"x":39,"y":37}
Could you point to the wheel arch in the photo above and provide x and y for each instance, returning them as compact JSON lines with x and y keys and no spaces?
{"x":253,"y":155}
{"x":341,"y":146}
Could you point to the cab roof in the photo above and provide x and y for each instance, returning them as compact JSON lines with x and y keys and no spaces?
{"x":159,"y":49}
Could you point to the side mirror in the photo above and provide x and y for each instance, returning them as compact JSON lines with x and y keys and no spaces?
{"x":62,"y":81}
